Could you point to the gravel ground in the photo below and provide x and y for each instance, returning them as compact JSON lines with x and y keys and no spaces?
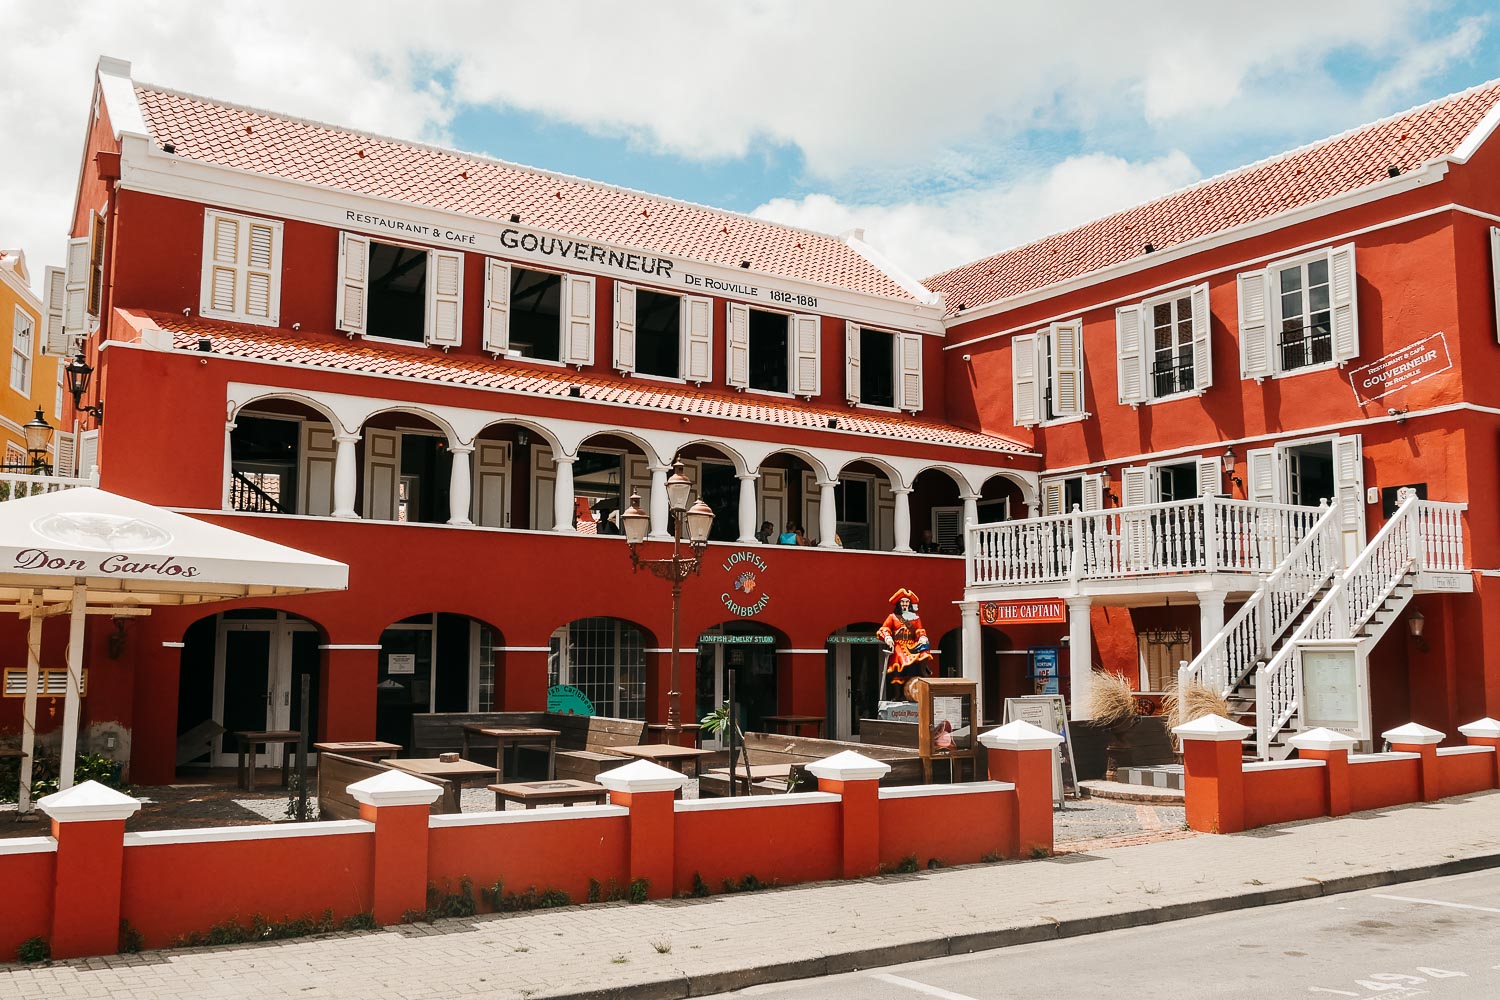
{"x":1086,"y":823}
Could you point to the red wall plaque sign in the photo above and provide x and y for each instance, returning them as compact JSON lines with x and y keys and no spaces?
{"x":1049,"y":609}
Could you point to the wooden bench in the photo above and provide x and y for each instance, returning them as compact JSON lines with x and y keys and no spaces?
{"x":888,"y":734}
{"x":772,"y":748}
{"x":583,"y":748}
{"x":337,"y":772}
{"x":434,"y":733}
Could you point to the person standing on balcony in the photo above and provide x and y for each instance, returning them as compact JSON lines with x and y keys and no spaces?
{"x":904,"y":636}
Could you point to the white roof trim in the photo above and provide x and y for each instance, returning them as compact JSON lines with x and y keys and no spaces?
{"x":119,"y":97}
{"x":911,"y":285}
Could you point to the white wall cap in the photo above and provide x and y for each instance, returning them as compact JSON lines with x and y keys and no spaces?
{"x":850,"y":765}
{"x":1019,"y":735}
{"x":1323,"y":739}
{"x":1485,"y":729}
{"x":1213,"y":728}
{"x":86,"y":802}
{"x":1413,"y":734}
{"x":642,"y":776}
{"x":395,"y":788}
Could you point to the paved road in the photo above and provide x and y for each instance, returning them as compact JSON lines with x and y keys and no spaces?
{"x":1439,"y":938}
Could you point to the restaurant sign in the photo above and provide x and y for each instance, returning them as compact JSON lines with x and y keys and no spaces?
{"x":1401,"y":369}
{"x":744,"y":597}
{"x":565,"y":699}
{"x":1050,"y":609}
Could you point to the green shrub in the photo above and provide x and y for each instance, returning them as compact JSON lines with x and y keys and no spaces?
{"x":639,"y":890}
{"x":131,"y":940}
{"x":34,"y":950}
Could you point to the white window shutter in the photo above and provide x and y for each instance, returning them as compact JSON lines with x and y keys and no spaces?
{"x":1262,"y":475}
{"x":1210,"y":476}
{"x":1495,"y":273}
{"x":578,"y":320}
{"x":1344,"y":295}
{"x":1025,"y":391}
{"x":354,"y":283}
{"x":241,"y":277}
{"x":1067,"y":368}
{"x":1135,"y":486}
{"x":496,"y":306}
{"x":445,"y":298}
{"x":807,"y":337}
{"x":1093,"y":492}
{"x":625,"y":327}
{"x":221,"y":272}
{"x":737,"y":340}
{"x":1130,"y":350}
{"x":1255,"y":324}
{"x":1052,"y":497}
{"x":262,"y":271}
{"x":67,"y":454}
{"x":96,"y":263}
{"x":76,"y":291}
{"x":1349,"y":480}
{"x":55,"y":339}
{"x":909,"y":384}
{"x":851,"y":363}
{"x":88,"y":454}
{"x":1203,"y":358}
{"x":698,"y":339}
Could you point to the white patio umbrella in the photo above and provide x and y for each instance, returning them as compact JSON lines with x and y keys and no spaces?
{"x":84,"y":551}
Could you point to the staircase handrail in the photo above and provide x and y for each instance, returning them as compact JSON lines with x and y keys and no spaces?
{"x":1248,"y":637}
{"x":1388,"y":558}
{"x":248,"y":484}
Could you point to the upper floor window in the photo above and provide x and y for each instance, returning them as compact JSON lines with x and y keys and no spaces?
{"x":1300,"y":313}
{"x":241,"y":278}
{"x":397,"y":291}
{"x":882,"y":368}
{"x":1162,"y":346}
{"x":668,"y":336}
{"x":1067,"y":494}
{"x":773,"y":352}
{"x":1047,"y":374}
{"x":540,"y":315}
{"x":20,"y":353}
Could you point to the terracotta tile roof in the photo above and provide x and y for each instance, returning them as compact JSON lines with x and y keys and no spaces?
{"x":335,"y":353}
{"x":1338,"y":165}
{"x":332,"y":157}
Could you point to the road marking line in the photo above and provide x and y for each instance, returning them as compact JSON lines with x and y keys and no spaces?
{"x":912,"y":984}
{"x":1437,"y":902}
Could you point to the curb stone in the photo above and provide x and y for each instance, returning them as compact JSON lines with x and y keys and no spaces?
{"x":854,"y":960}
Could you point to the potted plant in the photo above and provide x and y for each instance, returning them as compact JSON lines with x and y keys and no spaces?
{"x":1199,"y":700}
{"x":1112,"y":705}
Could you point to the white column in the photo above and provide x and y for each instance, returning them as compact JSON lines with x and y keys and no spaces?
{"x":345,"y":475}
{"x":747,"y":507}
{"x":1080,"y":657}
{"x":828,"y":517}
{"x":459,"y":486}
{"x":971,"y":509}
{"x":79,"y":616}
{"x":1210,"y":616}
{"x":658,"y":502}
{"x":971,"y":641}
{"x":28,"y":707}
{"x":903,"y":520}
{"x":562,"y":496}
{"x":228,"y":461}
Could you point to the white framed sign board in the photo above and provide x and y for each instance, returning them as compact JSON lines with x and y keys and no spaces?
{"x":1050,"y":712}
{"x":1334,"y":687}
{"x":401,"y":663}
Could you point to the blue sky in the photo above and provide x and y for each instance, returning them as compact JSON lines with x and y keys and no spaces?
{"x":948,"y":129}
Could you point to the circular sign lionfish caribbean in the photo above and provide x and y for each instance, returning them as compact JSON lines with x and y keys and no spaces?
{"x":743,"y":569}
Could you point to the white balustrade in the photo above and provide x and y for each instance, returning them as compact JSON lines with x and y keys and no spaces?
{"x":14,"y":486}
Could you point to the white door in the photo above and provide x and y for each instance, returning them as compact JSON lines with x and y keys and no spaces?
{"x":843,"y":693}
{"x":710,"y":690}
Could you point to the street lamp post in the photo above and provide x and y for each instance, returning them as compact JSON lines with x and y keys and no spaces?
{"x":38,"y":438}
{"x":698,"y":521}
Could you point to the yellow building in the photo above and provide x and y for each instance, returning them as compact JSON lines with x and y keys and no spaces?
{"x":32,"y":379}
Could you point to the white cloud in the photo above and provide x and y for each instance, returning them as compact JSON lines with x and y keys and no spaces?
{"x":926,"y":236}
{"x":860,"y":88}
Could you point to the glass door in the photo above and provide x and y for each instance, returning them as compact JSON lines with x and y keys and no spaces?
{"x":243,"y":693}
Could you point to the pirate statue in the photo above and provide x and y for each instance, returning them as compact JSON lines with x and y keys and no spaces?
{"x":904,"y":636}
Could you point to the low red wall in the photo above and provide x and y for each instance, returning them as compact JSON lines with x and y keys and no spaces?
{"x":1283,"y":794}
{"x":169,"y":890}
{"x":545,"y":850}
{"x":26,"y":900}
{"x":768,"y":837}
{"x":955,"y":830}
{"x":1376,"y":784}
{"x":1463,"y":773}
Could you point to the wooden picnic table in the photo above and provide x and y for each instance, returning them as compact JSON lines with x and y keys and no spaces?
{"x":796,"y":722}
{"x":514,"y":736}
{"x":666,"y":754}
{"x":361,"y":749}
{"x":748,"y":774}
{"x":660,"y":731}
{"x":249,"y":739}
{"x":563,"y":791}
{"x":461,"y":772}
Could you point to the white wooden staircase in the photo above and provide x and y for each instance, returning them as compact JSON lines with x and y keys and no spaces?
{"x":1255,"y":661}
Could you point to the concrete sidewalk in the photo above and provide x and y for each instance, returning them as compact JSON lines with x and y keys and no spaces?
{"x":695,"y":947}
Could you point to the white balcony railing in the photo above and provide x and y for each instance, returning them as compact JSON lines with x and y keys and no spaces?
{"x":1204,"y":535}
{"x":14,"y":486}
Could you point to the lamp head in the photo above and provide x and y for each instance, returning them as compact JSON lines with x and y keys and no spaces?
{"x":1229,"y":460}
{"x":634,"y":521}
{"x":38,"y":433}
{"x":78,"y":372}
{"x":679,"y":487}
{"x":700,"y":521}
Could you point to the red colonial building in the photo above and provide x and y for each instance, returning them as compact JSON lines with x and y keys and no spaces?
{"x":1231,"y":429}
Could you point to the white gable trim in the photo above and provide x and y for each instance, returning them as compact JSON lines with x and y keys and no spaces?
{"x":119,"y":97}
